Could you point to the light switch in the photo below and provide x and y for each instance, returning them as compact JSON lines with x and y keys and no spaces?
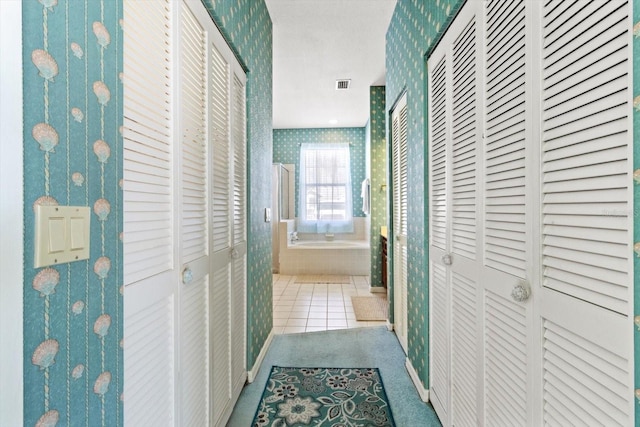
{"x":61,"y":234}
{"x":56,"y":234}
{"x":267,"y":214}
{"x":77,"y":233}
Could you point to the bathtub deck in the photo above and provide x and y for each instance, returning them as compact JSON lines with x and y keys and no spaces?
{"x":337,"y":257}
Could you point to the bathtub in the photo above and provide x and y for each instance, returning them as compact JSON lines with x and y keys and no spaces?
{"x":351,"y":257}
{"x":335,"y":244}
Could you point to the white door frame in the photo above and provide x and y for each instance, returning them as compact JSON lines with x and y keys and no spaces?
{"x":11,"y":216}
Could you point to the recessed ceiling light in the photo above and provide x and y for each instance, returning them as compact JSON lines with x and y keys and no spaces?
{"x":333,"y":122}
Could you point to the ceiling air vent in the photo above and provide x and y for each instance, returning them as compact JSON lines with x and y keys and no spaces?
{"x":343,"y":84}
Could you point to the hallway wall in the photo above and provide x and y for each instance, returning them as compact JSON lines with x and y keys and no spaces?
{"x":378,"y":154}
{"x":72,"y":57}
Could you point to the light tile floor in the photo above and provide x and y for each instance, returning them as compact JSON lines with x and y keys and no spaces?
{"x":308,"y":307}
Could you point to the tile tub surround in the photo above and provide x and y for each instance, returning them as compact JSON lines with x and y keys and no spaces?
{"x":340,"y":256}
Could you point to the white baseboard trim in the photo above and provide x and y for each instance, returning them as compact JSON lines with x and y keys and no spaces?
{"x":377,"y":289}
{"x":253,"y":373}
{"x":423,"y":392}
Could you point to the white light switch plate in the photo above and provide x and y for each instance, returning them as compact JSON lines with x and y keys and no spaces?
{"x":267,"y":214}
{"x":61,"y":234}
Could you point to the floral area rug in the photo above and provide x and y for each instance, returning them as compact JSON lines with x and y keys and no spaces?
{"x":346,"y":397}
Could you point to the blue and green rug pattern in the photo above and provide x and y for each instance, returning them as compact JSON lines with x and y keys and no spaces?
{"x":339,"y":397}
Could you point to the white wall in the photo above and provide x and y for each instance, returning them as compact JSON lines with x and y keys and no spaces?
{"x":11,"y":218}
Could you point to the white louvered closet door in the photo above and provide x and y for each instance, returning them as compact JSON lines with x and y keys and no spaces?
{"x":221,"y":245}
{"x":399,"y":169}
{"x":151,"y":263}
{"x":439,"y":277}
{"x":508,"y":253}
{"x":454,"y":261}
{"x":239,"y":237}
{"x":228,"y":226}
{"x":194,"y":220}
{"x":185,"y":233}
{"x":587,"y":283}
{"x":552,"y":216}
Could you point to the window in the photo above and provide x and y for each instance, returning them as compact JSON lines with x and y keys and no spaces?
{"x":325,"y":188}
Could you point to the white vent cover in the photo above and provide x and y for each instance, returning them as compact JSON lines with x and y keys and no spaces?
{"x":343,"y":84}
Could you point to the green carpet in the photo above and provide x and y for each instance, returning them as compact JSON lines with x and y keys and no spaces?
{"x":374,"y":347}
{"x":323,"y":397}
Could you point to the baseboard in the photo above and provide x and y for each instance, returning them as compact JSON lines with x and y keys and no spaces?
{"x":389,"y":325}
{"x":377,"y":289}
{"x":253,"y":373}
{"x":423,"y":392}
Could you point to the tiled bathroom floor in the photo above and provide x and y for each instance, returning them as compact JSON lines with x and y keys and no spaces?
{"x":307,"y":307}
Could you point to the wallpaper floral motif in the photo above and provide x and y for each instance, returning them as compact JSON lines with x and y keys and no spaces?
{"x":414,"y":27}
{"x":286,"y":149}
{"x":247,"y":26}
{"x":376,"y":129}
{"x":72,"y":156}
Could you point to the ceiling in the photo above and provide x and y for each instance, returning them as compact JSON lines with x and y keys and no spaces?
{"x":315,"y":43}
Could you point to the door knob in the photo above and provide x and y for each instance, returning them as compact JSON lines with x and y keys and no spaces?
{"x":187,"y":275}
{"x":521,"y":292}
{"x":447,"y":259}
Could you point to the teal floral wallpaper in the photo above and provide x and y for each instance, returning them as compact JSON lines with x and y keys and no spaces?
{"x":636,"y":197}
{"x":73,"y":156}
{"x":287,"y":150}
{"x":376,"y":129}
{"x":414,"y":27}
{"x":247,"y":26}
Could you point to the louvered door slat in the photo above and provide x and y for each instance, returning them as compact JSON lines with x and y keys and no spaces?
{"x":147,"y":145}
{"x":439,"y":340}
{"x":464,"y":140}
{"x":438,"y":160}
{"x":584,"y":145}
{"x":195,"y":353}
{"x":221,"y":340}
{"x":221,"y":152}
{"x":584,"y":378}
{"x":148,"y":364}
{"x":404,"y":169}
{"x":505,"y":334}
{"x":505,"y":138}
{"x":568,"y":29}
{"x":194,"y":230}
{"x":464,"y":350}
{"x":399,"y":161}
{"x":239,"y":159}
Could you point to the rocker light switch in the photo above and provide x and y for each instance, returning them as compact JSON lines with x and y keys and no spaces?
{"x":78,"y":241}
{"x":56,"y":234}
{"x":61,"y":234}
